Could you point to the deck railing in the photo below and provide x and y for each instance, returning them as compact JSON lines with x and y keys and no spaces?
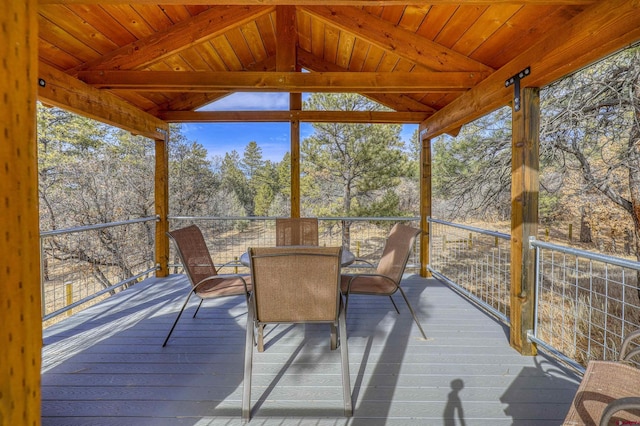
{"x":473,"y":261}
{"x":585,"y":302}
{"x":83,"y":264}
{"x":229,"y":237}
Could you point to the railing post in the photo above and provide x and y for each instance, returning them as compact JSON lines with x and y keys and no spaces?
{"x":524,"y":217}
{"x":425,"y":203}
{"x":162,"y":205}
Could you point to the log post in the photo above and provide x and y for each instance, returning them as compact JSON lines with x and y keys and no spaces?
{"x":20,"y":298}
{"x":425,"y":203}
{"x":524,"y":217}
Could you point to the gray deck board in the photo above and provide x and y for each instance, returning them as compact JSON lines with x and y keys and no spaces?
{"x":106,"y":365}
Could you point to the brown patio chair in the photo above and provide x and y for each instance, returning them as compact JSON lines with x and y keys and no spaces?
{"x":202,"y":274}
{"x":296,"y":285}
{"x":386,"y":280}
{"x":297,"y":231}
{"x":609,"y":393}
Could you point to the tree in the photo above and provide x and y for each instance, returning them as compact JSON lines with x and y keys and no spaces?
{"x":351,"y":169}
{"x":592,"y":127}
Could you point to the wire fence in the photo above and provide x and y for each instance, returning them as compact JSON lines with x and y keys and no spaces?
{"x":473,"y":261}
{"x":81,"y":265}
{"x":586,"y":302}
{"x":229,"y":237}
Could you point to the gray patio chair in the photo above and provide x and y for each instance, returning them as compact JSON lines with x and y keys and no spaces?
{"x":386,"y":280}
{"x":202,"y":274}
{"x":609,"y":393}
{"x":297,"y":231}
{"x":296,"y":285}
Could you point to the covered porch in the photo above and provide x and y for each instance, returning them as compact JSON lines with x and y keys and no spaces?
{"x":106,"y":365}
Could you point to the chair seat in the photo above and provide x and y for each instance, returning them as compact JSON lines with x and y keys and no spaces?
{"x":603,"y":382}
{"x":368,"y":284}
{"x":221,"y":285}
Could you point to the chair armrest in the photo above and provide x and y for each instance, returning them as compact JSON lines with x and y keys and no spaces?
{"x":624,"y":356}
{"x":630,"y":403}
{"x":361,"y":260}
{"x":222,"y":276}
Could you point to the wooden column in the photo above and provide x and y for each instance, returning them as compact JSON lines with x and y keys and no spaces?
{"x":295,"y":103}
{"x":162,"y":204}
{"x":524,"y":217}
{"x":20,"y":298}
{"x":425,"y":203}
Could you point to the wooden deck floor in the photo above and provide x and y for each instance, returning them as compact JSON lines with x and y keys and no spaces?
{"x":106,"y":365}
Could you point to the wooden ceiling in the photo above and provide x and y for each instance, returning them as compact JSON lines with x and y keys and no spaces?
{"x":441,"y":63}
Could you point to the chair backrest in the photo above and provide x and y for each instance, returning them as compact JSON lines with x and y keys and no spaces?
{"x":193,"y":253}
{"x":296,"y":284}
{"x":297,"y":231}
{"x":396,"y":251}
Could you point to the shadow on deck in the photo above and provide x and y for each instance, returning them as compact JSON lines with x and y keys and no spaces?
{"x":106,"y":365}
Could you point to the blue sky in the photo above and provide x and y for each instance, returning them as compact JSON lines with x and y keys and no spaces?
{"x":272,"y":138}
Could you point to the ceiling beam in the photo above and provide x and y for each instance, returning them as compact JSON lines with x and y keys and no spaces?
{"x":395,"y":39}
{"x":362,"y":82}
{"x":287,"y":38}
{"x":204,"y":26}
{"x":599,"y":30}
{"x":378,"y":117}
{"x":59,"y":89}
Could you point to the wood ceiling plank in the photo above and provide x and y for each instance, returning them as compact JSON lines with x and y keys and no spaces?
{"x":205,"y":26}
{"x":393,"y":82}
{"x":129,"y":19}
{"x":373,"y":59}
{"x":210,"y":56}
{"x":176,"y":13}
{"x":266,"y":27}
{"x":78,"y":28}
{"x":484,"y":27}
{"x":225,"y":50}
{"x":52,"y":55}
{"x":154,"y":16}
{"x":317,"y":37}
{"x":460,"y":22}
{"x":99,"y":19}
{"x":331,"y":39}
{"x":54,"y":35}
{"x":195,"y":61}
{"x":412,"y":18}
{"x":304,"y":31}
{"x":360,"y":50}
{"x":601,"y":29}
{"x":254,"y":41}
{"x":345,"y":49}
{"x":73,"y":95}
{"x":389,"y":37}
{"x":287,"y":38}
{"x":436,"y":19}
{"x":239,"y":46}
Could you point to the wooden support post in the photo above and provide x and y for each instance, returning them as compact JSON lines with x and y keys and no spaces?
{"x":524,"y":217}
{"x":162,"y":205}
{"x":295,"y":105}
{"x":20,"y":306}
{"x":425,"y":203}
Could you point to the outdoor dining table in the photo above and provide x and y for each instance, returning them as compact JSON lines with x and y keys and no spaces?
{"x":347,"y":257}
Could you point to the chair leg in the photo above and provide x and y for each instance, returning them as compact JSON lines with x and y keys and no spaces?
{"x":344,"y":355}
{"x":415,"y":318}
{"x":394,"y":305}
{"x":334,"y":337}
{"x":248,"y":364}
{"x":198,"y":308}
{"x":177,"y":318}
{"x":261,"y":338}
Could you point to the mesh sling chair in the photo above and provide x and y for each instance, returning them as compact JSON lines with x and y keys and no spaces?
{"x":609,"y":393}
{"x":296,"y":285}
{"x":386,"y":280}
{"x":202,"y":274}
{"x":297,"y":231}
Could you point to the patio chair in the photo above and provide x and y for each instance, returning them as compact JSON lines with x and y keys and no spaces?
{"x":386,"y":280}
{"x":296,"y":285}
{"x":297,"y":231}
{"x":202,"y":274}
{"x":609,"y":393}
